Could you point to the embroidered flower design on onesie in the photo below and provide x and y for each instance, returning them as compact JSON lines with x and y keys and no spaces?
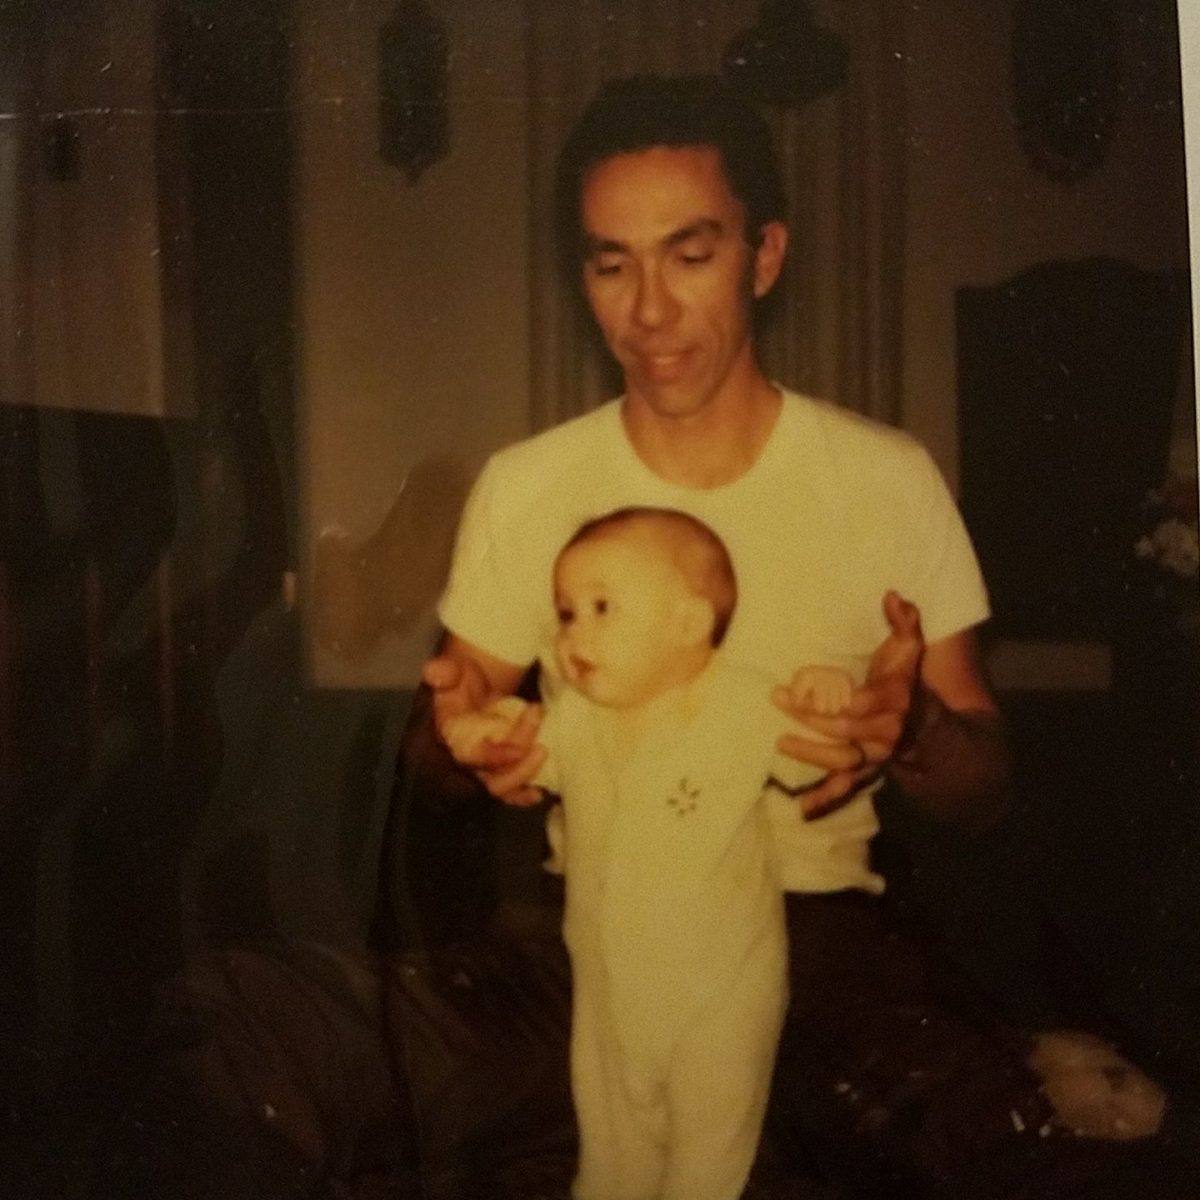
{"x":684,"y":799}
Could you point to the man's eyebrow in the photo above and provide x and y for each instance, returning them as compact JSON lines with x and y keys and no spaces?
{"x":594,"y":245}
{"x":705,"y":226}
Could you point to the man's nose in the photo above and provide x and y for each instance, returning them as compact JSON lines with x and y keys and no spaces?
{"x":654,"y":304}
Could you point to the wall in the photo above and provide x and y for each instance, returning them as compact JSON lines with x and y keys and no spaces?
{"x":412,"y":303}
{"x":411,"y":300}
{"x":977,"y":211}
{"x":92,"y":245}
{"x":414,"y":299}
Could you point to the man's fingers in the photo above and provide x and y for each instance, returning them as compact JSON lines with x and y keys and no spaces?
{"x":876,"y":714}
{"x":458,"y":686}
{"x":832,"y":756}
{"x":443,"y":672}
{"x":903,"y":617}
{"x":819,"y":754}
{"x":837,"y":790}
{"x":514,"y":785}
{"x":854,"y":743}
{"x":878,"y":732}
{"x":517,"y":741}
{"x":900,"y":652}
{"x":525,"y":727}
{"x":887,"y":694}
{"x":493,"y":756}
{"x":525,"y":797}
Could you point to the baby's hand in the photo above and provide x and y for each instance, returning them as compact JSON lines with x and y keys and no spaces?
{"x":824,"y":690}
{"x":466,"y":733}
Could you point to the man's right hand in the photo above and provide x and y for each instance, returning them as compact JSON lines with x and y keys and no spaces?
{"x":506,"y":767}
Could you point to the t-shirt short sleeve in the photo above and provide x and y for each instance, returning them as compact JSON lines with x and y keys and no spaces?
{"x":484,"y":601}
{"x":944,"y":578}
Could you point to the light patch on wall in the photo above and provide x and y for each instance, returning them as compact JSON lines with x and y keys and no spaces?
{"x":411,"y":327}
{"x":374,"y":596}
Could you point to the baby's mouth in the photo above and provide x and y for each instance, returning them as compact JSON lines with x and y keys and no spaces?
{"x":581,"y":668}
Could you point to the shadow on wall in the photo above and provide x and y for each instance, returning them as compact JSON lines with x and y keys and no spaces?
{"x":388,"y":583}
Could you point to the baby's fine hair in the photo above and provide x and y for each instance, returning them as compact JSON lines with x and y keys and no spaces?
{"x":693,"y":549}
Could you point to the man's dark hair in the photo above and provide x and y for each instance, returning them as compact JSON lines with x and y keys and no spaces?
{"x":641,"y":111}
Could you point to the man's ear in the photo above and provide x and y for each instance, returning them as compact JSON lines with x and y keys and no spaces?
{"x":768,"y":258}
{"x":694,"y":618}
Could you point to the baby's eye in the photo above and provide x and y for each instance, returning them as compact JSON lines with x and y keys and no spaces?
{"x":565,"y":616}
{"x":600,"y":607}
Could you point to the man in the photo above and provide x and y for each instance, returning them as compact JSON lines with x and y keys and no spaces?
{"x":849,"y":551}
{"x":673,"y":261}
{"x":272,"y":1076}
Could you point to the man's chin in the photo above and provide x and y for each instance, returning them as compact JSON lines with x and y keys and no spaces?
{"x":678,"y":402}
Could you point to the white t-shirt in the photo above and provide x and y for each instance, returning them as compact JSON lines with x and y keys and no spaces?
{"x":836,"y":510}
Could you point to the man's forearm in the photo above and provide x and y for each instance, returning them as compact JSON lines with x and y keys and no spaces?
{"x":953,"y":764}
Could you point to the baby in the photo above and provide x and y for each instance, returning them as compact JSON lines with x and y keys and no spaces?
{"x":661,"y":751}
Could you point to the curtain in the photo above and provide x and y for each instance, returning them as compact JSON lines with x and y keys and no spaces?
{"x":836,"y":326}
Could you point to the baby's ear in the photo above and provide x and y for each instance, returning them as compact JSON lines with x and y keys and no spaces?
{"x":694,"y":620}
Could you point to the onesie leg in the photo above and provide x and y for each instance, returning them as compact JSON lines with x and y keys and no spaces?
{"x":621,"y":1136}
{"x":720,"y":1079}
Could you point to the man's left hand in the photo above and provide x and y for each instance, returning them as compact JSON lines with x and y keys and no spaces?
{"x":860,"y":739}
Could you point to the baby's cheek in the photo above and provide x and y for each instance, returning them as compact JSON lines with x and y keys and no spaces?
{"x":562,"y":656}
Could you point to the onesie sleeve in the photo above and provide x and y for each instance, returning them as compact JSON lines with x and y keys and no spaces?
{"x":788,"y":773}
{"x":759,"y":724}
{"x":550,"y":736}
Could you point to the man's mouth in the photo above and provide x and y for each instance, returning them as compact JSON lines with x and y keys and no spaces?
{"x":662,"y":367}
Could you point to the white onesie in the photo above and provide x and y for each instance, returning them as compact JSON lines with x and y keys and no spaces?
{"x":674,"y":922}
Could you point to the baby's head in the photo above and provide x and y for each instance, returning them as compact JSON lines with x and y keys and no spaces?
{"x":644,"y":596}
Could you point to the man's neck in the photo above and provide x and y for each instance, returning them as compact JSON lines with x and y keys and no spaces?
{"x":712,"y":447}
